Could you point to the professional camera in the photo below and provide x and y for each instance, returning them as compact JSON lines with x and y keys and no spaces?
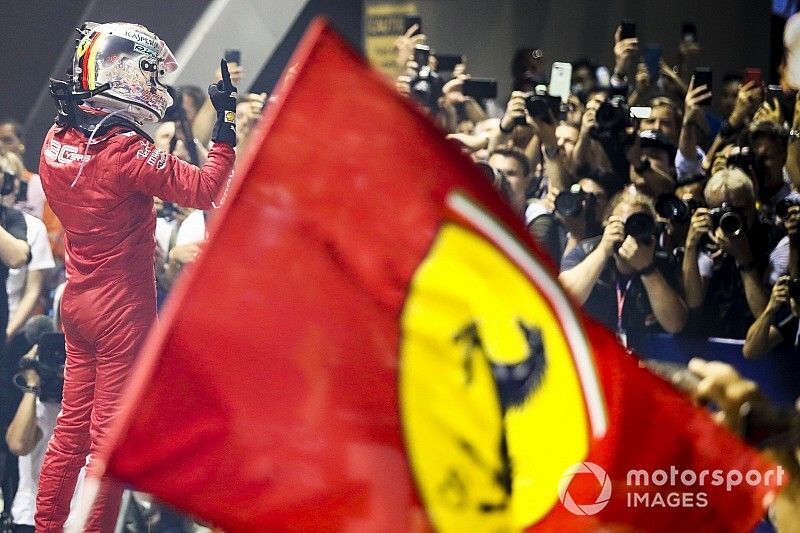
{"x":794,"y":289}
{"x":673,"y":208}
{"x":8,"y":183}
{"x":727,"y":218}
{"x":747,"y":161}
{"x":540,"y":105}
{"x":641,"y":226}
{"x":613,"y":116}
{"x":52,"y":356}
{"x":572,"y":202}
{"x":167,"y":211}
{"x":782,"y":209}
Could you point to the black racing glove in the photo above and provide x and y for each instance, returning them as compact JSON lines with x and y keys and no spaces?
{"x":223,"y":96}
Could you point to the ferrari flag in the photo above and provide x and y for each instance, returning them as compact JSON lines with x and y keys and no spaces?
{"x":370,"y":342}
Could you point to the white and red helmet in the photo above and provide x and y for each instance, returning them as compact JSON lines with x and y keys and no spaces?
{"x":131,"y":59}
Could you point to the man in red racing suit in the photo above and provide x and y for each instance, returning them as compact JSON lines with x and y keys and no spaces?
{"x":110,"y":297}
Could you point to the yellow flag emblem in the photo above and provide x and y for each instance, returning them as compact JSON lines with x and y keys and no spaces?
{"x":492,"y":403}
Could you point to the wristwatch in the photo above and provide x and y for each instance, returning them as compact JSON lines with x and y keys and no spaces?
{"x":647,"y":270}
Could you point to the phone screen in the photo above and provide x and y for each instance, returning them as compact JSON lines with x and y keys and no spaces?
{"x":754,"y":75}
{"x":448,"y":62}
{"x":627,"y":29}
{"x":410,"y":20}
{"x":422,"y":53}
{"x":652,"y":59}
{"x":702,"y":76}
{"x":480,"y":88}
{"x":689,"y":32}
{"x":233,"y":56}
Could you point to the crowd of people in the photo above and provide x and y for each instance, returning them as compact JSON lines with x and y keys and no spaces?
{"x":662,"y":213}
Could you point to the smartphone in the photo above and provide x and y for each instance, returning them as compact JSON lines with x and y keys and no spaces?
{"x":233,"y":56}
{"x":689,"y":32}
{"x":22,"y":193}
{"x":702,"y":76}
{"x":652,"y":59}
{"x":448,"y":62}
{"x":480,"y":88}
{"x":785,"y":99}
{"x":409,"y":21}
{"x":422,"y":53}
{"x":754,"y":75}
{"x":627,"y":29}
{"x":560,"y":80}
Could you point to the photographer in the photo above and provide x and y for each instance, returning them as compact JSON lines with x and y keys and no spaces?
{"x":27,"y":438}
{"x":621,"y":271}
{"x":724,"y":282}
{"x":14,"y":249}
{"x":778,"y":324}
{"x":651,"y":157}
{"x":768,"y":144}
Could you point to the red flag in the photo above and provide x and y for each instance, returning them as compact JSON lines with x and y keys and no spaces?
{"x":370,"y":343}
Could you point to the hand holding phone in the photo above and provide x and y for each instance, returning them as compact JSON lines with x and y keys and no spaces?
{"x":233,"y":56}
{"x":702,"y":76}
{"x":480,"y":88}
{"x":409,"y":22}
{"x":627,"y":29}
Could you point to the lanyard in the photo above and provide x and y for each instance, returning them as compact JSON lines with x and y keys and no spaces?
{"x":621,"y":302}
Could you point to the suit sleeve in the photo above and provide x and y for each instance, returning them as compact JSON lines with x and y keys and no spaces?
{"x":144,"y":168}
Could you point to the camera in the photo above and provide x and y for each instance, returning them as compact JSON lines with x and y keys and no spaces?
{"x":747,"y":161}
{"x":167,"y":210}
{"x":782,"y":209}
{"x":540,"y":104}
{"x":613,"y":116}
{"x":52,"y":355}
{"x":727,"y":218}
{"x":641,"y":226}
{"x":8,"y":183}
{"x":794,"y":289}
{"x":673,"y":208}
{"x":571,"y":203}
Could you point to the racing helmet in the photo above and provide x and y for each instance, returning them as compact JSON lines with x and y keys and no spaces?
{"x":131,"y":59}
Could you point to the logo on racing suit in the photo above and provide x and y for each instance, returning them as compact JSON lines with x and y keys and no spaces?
{"x":64,"y":153}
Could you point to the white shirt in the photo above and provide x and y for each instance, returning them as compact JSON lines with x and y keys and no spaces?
{"x":24,"y":505}
{"x":193,"y":228}
{"x":41,"y":259}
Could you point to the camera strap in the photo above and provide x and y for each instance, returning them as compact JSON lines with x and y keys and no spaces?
{"x":621,"y":294}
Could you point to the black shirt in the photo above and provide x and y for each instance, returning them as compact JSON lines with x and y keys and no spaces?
{"x":613,"y":288}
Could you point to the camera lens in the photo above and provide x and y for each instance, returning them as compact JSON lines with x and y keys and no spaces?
{"x":537,"y":107}
{"x":731,"y":223}
{"x":569,"y":203}
{"x":671,"y":207}
{"x":640,"y":226}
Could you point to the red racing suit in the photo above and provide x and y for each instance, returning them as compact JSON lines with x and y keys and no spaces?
{"x":110,"y":297}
